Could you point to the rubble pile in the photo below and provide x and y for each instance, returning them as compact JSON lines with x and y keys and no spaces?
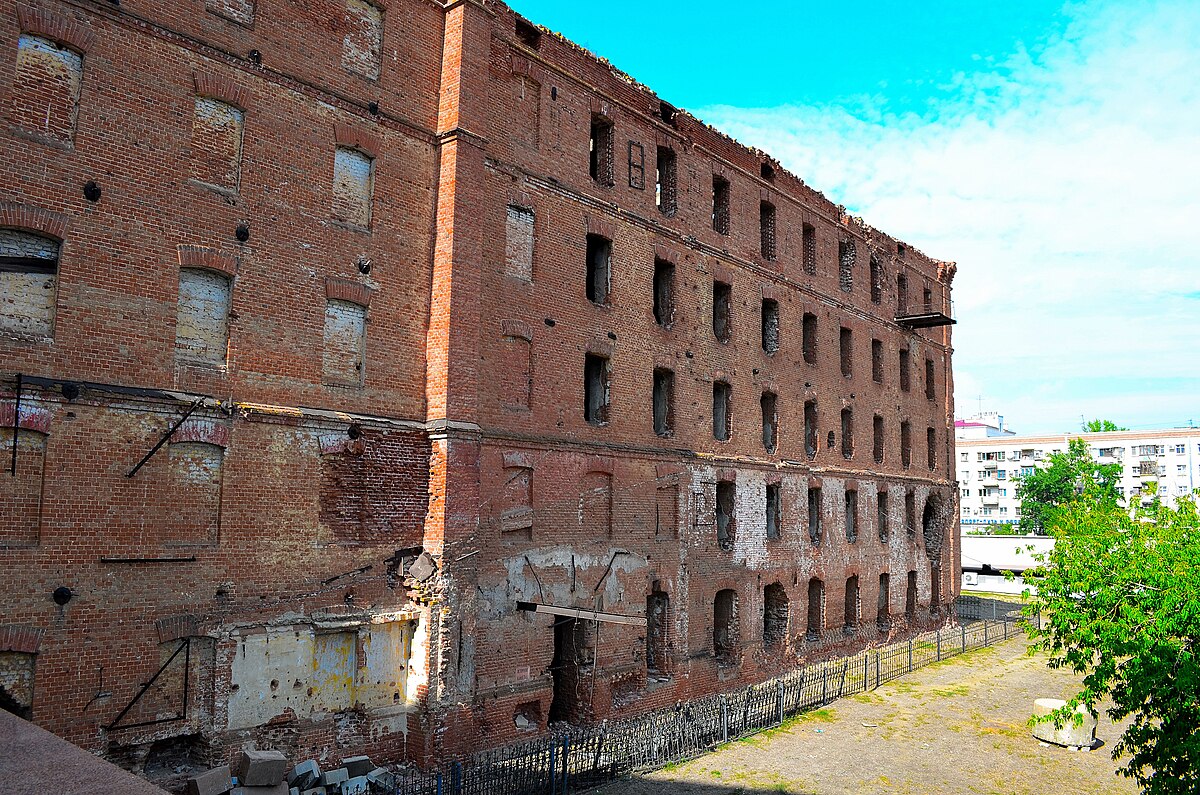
{"x":266,"y":773}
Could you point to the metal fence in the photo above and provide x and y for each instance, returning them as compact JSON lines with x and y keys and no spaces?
{"x":577,"y":759}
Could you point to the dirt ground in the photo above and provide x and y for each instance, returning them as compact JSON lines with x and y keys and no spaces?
{"x":954,"y":727}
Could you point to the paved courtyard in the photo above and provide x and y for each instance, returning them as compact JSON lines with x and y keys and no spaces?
{"x":954,"y":727}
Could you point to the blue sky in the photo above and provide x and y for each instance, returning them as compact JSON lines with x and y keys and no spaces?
{"x":1051,"y":149}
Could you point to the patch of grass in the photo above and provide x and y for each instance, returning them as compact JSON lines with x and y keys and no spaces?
{"x":950,"y":692}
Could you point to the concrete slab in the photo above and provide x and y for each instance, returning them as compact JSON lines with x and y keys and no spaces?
{"x":261,"y":768}
{"x":211,"y":782}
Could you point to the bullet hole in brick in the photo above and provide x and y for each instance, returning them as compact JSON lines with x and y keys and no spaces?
{"x":395,"y":698}
{"x":373,"y":108}
{"x":553,"y":92}
{"x":242,"y":233}
{"x":829,"y":441}
{"x":91,"y":191}
{"x":234,"y":687}
{"x":62,"y":594}
{"x":550,"y":323}
{"x":612,"y":335}
{"x":364,"y":266}
{"x":689,"y":355}
{"x":255,"y":57}
{"x":296,"y":685}
{"x":274,"y":684}
{"x":355,"y":431}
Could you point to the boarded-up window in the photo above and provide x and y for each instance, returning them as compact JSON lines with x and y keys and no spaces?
{"x":362,"y":47}
{"x":596,"y":504}
{"x":28,"y":284}
{"x":516,"y":507}
{"x":516,"y":371}
{"x":202,"y":322}
{"x":345,"y":343}
{"x":195,"y":493}
{"x":726,"y":637}
{"x":46,"y":88}
{"x":775,"y":614}
{"x":217,"y":143}
{"x":666,"y":511}
{"x":237,"y":10}
{"x":518,"y":257}
{"x":847,"y":256}
{"x":720,"y":204}
{"x":353,"y":180}
{"x":21,"y":494}
{"x":766,"y":225}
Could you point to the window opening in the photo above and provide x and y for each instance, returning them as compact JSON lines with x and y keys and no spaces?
{"x":775,"y":614}
{"x":722,"y":299}
{"x":852,"y":605}
{"x":847,"y":433}
{"x":905,"y":444}
{"x":664,"y":401}
{"x":770,"y":421}
{"x":883,"y":609}
{"x":665,"y":182}
{"x":877,"y":439}
{"x":596,"y":389}
{"x":816,"y":609}
{"x":770,"y":326}
{"x":810,"y":428}
{"x":726,"y":520}
{"x":601,"y":150}
{"x":877,"y":361}
{"x":766,"y":223}
{"x":876,"y":281}
{"x":847,"y":256}
{"x":725,"y":624}
{"x":881,"y":513}
{"x":809,"y":233}
{"x":664,"y":292}
{"x":720,"y":204}
{"x":851,"y":516}
{"x":809,"y":342}
{"x":814,"y":514}
{"x":846,"y":347}
{"x":599,"y":265}
{"x":774,"y":510}
{"x":722,"y":421}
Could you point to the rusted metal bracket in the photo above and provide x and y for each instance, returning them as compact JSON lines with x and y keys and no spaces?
{"x":165,"y":437}
{"x":186,"y":645}
{"x":16,"y":428}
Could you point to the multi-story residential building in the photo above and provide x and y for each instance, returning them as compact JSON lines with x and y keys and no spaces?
{"x":398,"y":378}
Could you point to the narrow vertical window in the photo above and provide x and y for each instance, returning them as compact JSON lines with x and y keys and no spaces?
{"x":774,"y":510}
{"x":664,"y":292}
{"x":935,"y":589}
{"x":720,"y":204}
{"x":927,"y":300}
{"x":775,"y":614}
{"x":666,"y":511}
{"x":810,"y":249}
{"x":876,"y":281}
{"x":847,"y":256}
{"x":877,"y":439}
{"x":766,"y":225}
{"x":883,"y":617}
{"x":595,"y":389}
{"x":353,"y":184}
{"x":664,"y":186}
{"x":810,"y":428}
{"x":202,"y":316}
{"x":518,"y":243}
{"x":852,"y":606}
{"x":930,"y":383}
{"x":217,"y":144}
{"x":847,"y":432}
{"x":599,"y":269}
{"x":725,"y":517}
{"x":851,"y":516}
{"x":664,"y":401}
{"x":770,"y":326}
{"x":905,"y":370}
{"x":344,"y":355}
{"x":600,"y":146}
{"x":846,"y":347}
{"x":809,"y":342}
{"x":637,"y":166}
{"x":722,"y":419}
{"x":901,"y":294}
{"x":28,"y":284}
{"x":770,"y":421}
{"x":516,"y":378}
{"x":881,"y":513}
{"x":877,"y":361}
{"x":45,"y":89}
{"x":910,"y":597}
{"x":905,"y":444}
{"x":816,"y":609}
{"x":814,"y":514}
{"x":725,"y":624}
{"x":658,"y":636}
{"x":721,"y":300}
{"x":910,"y":512}
{"x":362,"y":46}
{"x":931,"y":448}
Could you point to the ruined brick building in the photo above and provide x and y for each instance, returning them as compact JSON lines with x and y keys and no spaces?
{"x":391,"y":376}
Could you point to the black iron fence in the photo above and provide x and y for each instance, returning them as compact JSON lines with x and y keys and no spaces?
{"x":577,"y":759}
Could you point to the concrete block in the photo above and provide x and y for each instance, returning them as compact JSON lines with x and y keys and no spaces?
{"x":261,"y":768}
{"x":315,"y":791}
{"x":1070,"y":735}
{"x":273,"y":789}
{"x":211,"y":782}
{"x":293,"y":791}
{"x":334,"y":777}
{"x":357,"y":766}
{"x":422,"y":568}
{"x":381,"y":780}
{"x":305,"y":775}
{"x":356,"y":786}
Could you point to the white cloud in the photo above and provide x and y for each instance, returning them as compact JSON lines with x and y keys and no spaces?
{"x":1064,"y":183}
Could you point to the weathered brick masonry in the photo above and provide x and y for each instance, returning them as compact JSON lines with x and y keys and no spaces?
{"x":406,"y":283}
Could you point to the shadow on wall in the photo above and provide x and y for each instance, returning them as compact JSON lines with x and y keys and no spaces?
{"x":647,"y":786}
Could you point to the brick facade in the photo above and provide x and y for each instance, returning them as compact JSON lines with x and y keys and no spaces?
{"x":382,"y":354}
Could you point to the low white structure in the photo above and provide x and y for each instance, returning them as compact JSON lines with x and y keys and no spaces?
{"x":1069,"y":734}
{"x":985,"y":559}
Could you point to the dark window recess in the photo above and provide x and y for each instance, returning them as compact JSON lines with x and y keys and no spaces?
{"x":810,"y":428}
{"x":852,"y":608}
{"x":775,"y":614}
{"x":901,"y":293}
{"x":658,"y":609}
{"x":905,"y":444}
{"x":930,"y":383}
{"x":774,"y":510}
{"x":664,"y":186}
{"x":766,"y":171}
{"x":726,"y":522}
{"x":664,"y":292}
{"x":816,"y":608}
{"x":877,"y":361}
{"x":528,"y":34}
{"x":881,"y":513}
{"x":910,"y":512}
{"x":637,"y":166}
{"x":720,"y":204}
{"x":876,"y":281}
{"x":809,"y":342}
{"x":722,"y":421}
{"x":846,"y":347}
{"x":770,"y":421}
{"x":664,"y":402}
{"x":883,"y":608}
{"x":810,"y":249}
{"x":910,"y":596}
{"x":935,"y":589}
{"x":931,"y":448}
{"x":926,"y":300}
{"x":595,"y":397}
{"x":847,"y":432}
{"x":905,"y":373}
{"x":851,"y":516}
{"x":877,"y":439}
{"x":770,"y":325}
{"x":668,"y":112}
{"x":599,"y":264}
{"x":847,"y":256}
{"x":766,"y":225}
{"x":721,"y":301}
{"x":725,"y":624}
{"x":601,"y":150}
{"x":814,"y":514}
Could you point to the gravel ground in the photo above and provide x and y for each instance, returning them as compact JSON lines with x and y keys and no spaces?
{"x":954,"y":727}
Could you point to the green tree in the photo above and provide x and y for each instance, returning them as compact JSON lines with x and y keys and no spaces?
{"x":1101,"y":426}
{"x":1120,"y":600}
{"x":1065,"y":476}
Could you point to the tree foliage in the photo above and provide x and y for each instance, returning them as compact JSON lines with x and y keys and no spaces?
{"x":1101,"y":426}
{"x":1120,"y":601}
{"x":1064,"y":477}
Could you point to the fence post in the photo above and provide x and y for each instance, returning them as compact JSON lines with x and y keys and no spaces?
{"x":910,"y":643}
{"x":866,"y":671}
{"x":456,"y":778}
{"x":724,"y":719}
{"x":566,"y":763}
{"x":824,"y":684}
{"x":877,"y":668}
{"x":439,"y":783}
{"x":939,"y":645}
{"x":779,"y":700}
{"x":985,"y":639}
{"x":553,"y":768}
{"x":963,"y":627}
